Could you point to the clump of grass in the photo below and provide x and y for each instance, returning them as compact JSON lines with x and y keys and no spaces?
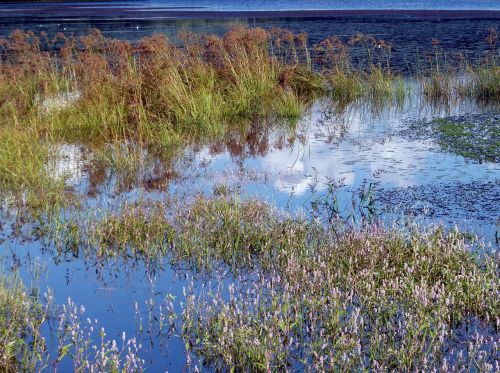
{"x":486,"y":83}
{"x":152,"y":93}
{"x":22,"y":347}
{"x":289,"y":106}
{"x":368,"y":299}
{"x":144,"y":229}
{"x":373,"y":79}
{"x":135,"y":230}
{"x":27,"y":185}
{"x":22,"y":160}
{"x":238,"y":234}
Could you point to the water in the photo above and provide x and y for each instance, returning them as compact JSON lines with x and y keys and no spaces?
{"x":325,"y":4}
{"x":329,"y":4}
{"x":261,"y":5}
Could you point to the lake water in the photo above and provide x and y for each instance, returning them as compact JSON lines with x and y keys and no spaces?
{"x":230,"y":5}
{"x":325,"y":4}
{"x":289,"y":168}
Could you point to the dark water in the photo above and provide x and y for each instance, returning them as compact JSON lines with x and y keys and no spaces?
{"x":231,"y":5}
{"x":329,"y":4}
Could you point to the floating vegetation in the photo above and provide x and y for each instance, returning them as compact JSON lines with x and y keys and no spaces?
{"x":467,"y":200}
{"x":476,"y":137}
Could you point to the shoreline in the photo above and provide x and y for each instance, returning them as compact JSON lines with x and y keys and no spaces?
{"x":57,"y":9}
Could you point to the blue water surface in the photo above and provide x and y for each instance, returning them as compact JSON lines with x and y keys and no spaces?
{"x":329,"y":4}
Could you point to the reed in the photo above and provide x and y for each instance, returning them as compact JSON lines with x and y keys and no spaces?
{"x":99,"y":91}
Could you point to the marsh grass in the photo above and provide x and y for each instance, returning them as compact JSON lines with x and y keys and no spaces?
{"x":314,"y":296}
{"x":366,"y":299}
{"x":306,"y":294}
{"x":21,"y":316}
{"x":98,"y":91}
{"x":135,"y":230}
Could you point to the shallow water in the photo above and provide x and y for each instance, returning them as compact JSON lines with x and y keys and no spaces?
{"x":287,"y":165}
{"x":292,"y":165}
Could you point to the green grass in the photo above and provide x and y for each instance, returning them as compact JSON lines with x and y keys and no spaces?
{"x":162,"y":97}
{"x":21,"y":316}
{"x":312,"y":296}
{"x":486,"y":83}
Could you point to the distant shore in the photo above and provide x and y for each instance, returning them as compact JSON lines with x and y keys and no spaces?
{"x":59,"y":8}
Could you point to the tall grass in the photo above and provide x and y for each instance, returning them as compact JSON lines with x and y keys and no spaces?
{"x":100,"y":91}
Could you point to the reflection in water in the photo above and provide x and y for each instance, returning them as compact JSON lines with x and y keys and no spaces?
{"x":288,"y":164}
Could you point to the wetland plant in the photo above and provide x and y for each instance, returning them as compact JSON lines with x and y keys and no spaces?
{"x":372,"y":298}
{"x":103,"y":92}
{"x":24,"y":317}
{"x":301,"y":295}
